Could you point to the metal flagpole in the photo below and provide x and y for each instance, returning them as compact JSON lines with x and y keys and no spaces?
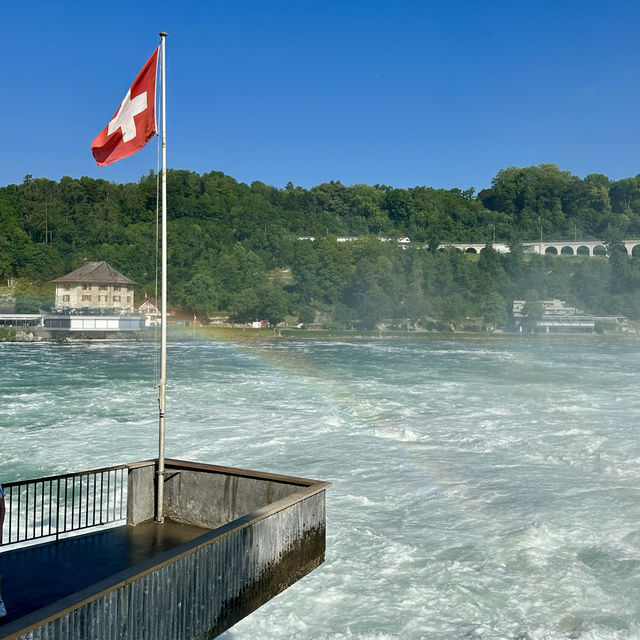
{"x":163,"y":327}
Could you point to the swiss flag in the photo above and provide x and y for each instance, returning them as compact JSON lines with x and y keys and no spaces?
{"x":134,"y":123}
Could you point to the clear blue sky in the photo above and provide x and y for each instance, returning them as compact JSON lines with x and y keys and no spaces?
{"x":434,"y":93}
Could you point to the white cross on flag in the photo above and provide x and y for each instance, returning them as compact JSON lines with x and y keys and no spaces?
{"x":134,"y":123}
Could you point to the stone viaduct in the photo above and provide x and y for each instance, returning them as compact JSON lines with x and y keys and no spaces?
{"x":578,"y":248}
{"x":592,"y":248}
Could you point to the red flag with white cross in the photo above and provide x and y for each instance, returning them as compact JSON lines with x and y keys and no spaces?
{"x":134,"y":123}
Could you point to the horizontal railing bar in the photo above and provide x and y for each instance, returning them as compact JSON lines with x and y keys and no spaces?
{"x":184,"y":465}
{"x":62,"y":476}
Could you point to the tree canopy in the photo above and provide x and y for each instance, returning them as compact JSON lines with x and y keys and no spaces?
{"x":235,"y":248}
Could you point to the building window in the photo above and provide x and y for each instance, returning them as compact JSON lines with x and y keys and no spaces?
{"x":85,"y":297}
{"x":67,"y":287}
{"x":86,"y":287}
{"x":65,"y":298}
{"x":102,"y":298}
{"x":116,"y":298}
{"x":103,"y":287}
{"x":116,"y":288}
{"x":128,"y":298}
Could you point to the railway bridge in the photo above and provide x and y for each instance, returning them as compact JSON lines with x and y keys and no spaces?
{"x":592,"y":248}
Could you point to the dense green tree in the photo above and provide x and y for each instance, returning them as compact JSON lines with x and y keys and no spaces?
{"x":306,"y":315}
{"x":492,"y":276}
{"x":235,"y":247}
{"x":273,"y":304}
{"x":532,"y":310}
{"x":494,"y":310}
{"x":243,"y":306}
{"x":199,"y":296}
{"x":27,"y":304}
{"x":333,"y":269}
{"x":451,"y":310}
{"x":238,"y":270}
{"x":305,"y":265}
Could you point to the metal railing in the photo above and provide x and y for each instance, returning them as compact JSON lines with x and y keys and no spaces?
{"x":56,"y":505}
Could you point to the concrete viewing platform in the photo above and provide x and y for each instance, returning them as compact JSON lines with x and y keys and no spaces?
{"x":232,"y":539}
{"x":40,"y":575}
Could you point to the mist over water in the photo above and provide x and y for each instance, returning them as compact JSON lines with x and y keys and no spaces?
{"x":481,"y":489}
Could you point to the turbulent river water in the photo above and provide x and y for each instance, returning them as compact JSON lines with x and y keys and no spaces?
{"x":482,"y":489}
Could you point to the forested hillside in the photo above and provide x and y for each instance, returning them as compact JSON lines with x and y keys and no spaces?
{"x":234,"y":248}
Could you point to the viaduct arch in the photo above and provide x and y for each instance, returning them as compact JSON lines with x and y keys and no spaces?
{"x":591,"y":248}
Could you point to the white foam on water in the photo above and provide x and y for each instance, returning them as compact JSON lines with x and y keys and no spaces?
{"x":481,"y":490}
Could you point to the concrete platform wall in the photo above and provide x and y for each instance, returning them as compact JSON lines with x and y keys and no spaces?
{"x":203,"y":495}
{"x":201,"y":588}
{"x":211,"y":499}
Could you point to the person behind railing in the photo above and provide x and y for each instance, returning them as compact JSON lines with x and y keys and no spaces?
{"x":3,"y":610}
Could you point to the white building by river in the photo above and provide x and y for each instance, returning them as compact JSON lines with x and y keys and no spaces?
{"x":95,"y":285}
{"x":557,"y":317}
{"x":93,"y":302}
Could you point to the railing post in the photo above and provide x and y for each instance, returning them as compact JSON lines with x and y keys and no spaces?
{"x":42,"y":511}
{"x":58,"y":509}
{"x":19,"y":501}
{"x":10,"y":512}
